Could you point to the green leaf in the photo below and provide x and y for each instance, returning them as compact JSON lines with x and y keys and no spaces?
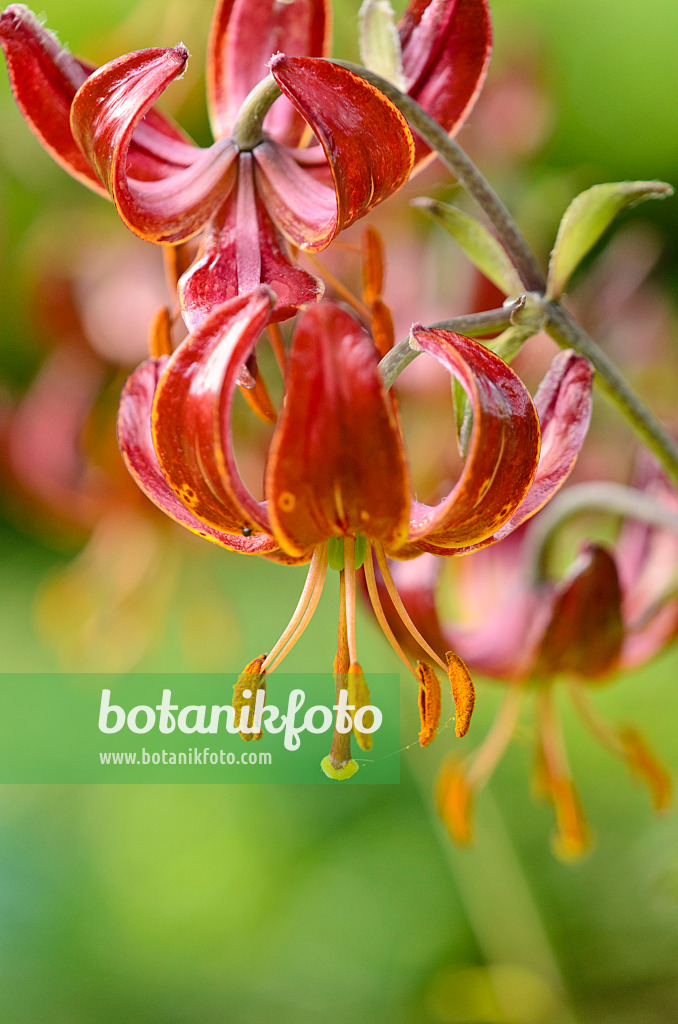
{"x":585,"y":220}
{"x":509,"y":343}
{"x":379,"y":42}
{"x":479,"y":244}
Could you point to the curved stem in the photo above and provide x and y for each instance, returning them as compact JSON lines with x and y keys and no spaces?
{"x":559,"y":323}
{"x":564,"y":329}
{"x":454,"y":157}
{"x":605,"y":497}
{"x":474,"y":325}
{"x":248,"y":128}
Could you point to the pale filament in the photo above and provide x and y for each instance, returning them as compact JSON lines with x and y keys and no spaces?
{"x":552,"y":740}
{"x":491,"y":750}
{"x":379,"y":612}
{"x":400,"y":607}
{"x":308,"y":603}
{"x":594,"y":721}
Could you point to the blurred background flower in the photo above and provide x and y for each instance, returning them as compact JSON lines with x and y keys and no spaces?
{"x":175,"y":904}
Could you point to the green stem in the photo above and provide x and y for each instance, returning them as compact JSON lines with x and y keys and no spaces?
{"x":248,"y":128}
{"x":564,"y":329}
{"x":615,"y":499}
{"x":559,"y":324}
{"x":474,"y":325}
{"x":463,"y":168}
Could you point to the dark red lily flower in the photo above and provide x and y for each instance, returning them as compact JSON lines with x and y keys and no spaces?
{"x":613,"y":610}
{"x":337,"y":482}
{"x":255,"y":204}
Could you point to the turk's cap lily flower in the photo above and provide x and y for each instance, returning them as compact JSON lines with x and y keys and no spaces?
{"x":614,"y":609}
{"x":336,"y":464}
{"x":329,"y":150}
{"x":337,"y":481}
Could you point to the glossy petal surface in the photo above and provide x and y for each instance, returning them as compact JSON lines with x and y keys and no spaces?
{"x":336,"y":463}
{"x":216,"y":277}
{"x":563,"y":402}
{"x":174,"y":195}
{"x":446,"y":46}
{"x":244,"y":36}
{"x":44,"y":78}
{"x":136,"y":444}
{"x":503,"y":451}
{"x":366,"y":140}
{"x":192,"y":412}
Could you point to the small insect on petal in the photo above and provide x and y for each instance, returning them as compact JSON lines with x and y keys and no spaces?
{"x":429,"y":702}
{"x":454,"y":801}
{"x":643,"y":763}
{"x":463,"y":692}
{"x":250,"y":681}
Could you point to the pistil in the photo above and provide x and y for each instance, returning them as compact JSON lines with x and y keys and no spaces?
{"x":339,"y":764}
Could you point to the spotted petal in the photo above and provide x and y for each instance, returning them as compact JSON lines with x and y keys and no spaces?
{"x":188,"y":182}
{"x":136,"y":444}
{"x":446,"y":46}
{"x":336,"y":463}
{"x":244,"y":36}
{"x":366,"y":140}
{"x":503,"y":451}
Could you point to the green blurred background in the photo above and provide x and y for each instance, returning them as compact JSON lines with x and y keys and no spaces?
{"x":299,"y":904}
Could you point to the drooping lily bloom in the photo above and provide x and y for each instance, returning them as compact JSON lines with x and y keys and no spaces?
{"x":329,"y":150}
{"x":613,"y":610}
{"x":336,"y":481}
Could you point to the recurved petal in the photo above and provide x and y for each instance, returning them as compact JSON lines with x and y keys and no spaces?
{"x":44,"y":78}
{"x":191,"y":419}
{"x":563,"y":402}
{"x":446,"y":46}
{"x":336,"y":463}
{"x":192,"y":415}
{"x":165,"y":188}
{"x":503,"y":451}
{"x":214,"y":277}
{"x":244,"y":36}
{"x":586,"y":631}
{"x":136,"y":444}
{"x":366,"y":140}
